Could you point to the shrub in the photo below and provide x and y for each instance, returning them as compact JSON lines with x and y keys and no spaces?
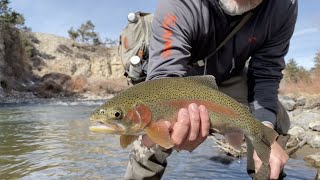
{"x":295,"y":73}
{"x":64,"y":49}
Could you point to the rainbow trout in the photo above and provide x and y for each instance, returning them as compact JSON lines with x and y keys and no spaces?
{"x":143,"y":108}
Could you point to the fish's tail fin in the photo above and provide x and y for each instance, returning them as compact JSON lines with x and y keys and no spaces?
{"x":262,"y":145}
{"x":263,"y":173}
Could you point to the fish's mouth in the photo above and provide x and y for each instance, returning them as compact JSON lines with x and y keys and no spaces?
{"x":109,"y":128}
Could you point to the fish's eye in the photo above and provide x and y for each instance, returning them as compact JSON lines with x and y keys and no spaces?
{"x":102,"y":111}
{"x":118,"y":114}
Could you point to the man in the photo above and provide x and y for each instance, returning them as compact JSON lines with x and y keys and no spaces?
{"x":184,"y":33}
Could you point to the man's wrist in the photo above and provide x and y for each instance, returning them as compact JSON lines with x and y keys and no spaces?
{"x":268,"y":123}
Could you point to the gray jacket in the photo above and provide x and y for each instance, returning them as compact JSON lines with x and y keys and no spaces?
{"x":184,"y":31}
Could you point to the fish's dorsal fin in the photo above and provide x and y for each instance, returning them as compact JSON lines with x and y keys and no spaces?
{"x":207,"y":80}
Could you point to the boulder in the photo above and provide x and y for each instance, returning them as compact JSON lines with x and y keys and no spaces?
{"x":315,"y":126}
{"x":295,"y":130}
{"x":312,"y":138}
{"x":304,"y":119}
{"x":313,"y":160}
{"x":288,"y":103}
{"x":301,"y":101}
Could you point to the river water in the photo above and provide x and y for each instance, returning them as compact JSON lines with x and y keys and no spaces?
{"x":52,"y":141}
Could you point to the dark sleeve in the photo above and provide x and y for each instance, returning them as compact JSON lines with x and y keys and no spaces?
{"x":266,"y":65}
{"x":170,"y":49}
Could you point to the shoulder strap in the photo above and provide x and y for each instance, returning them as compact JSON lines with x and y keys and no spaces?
{"x":232,"y":33}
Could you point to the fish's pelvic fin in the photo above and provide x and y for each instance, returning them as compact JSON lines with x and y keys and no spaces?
{"x":126,"y":140}
{"x":159,"y":133}
{"x":235,"y":139}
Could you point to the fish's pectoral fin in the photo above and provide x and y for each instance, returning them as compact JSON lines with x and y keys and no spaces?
{"x":235,"y":139}
{"x":126,"y":140}
{"x":159,"y":133}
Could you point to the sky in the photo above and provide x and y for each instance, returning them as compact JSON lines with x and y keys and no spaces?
{"x":110,"y":17}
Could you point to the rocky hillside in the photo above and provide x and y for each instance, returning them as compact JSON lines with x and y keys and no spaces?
{"x":61,"y":55}
{"x":38,"y":65}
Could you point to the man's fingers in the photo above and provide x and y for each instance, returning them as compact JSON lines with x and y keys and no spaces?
{"x":257,"y":161}
{"x":278,"y":159}
{"x":168,"y":124}
{"x":181,"y":127}
{"x":275,"y":167}
{"x":205,"y":121}
{"x":195,"y":121}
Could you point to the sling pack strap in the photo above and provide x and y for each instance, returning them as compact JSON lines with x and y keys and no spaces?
{"x":230,"y":35}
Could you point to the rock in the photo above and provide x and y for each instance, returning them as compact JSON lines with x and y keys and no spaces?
{"x":292,"y":142}
{"x":301,"y":101}
{"x":304,"y":119}
{"x":313,"y":160}
{"x":314,"y":141}
{"x":296,"y":112}
{"x":315,"y":126}
{"x":313,"y":103}
{"x":312,"y":138}
{"x":295,"y":130}
{"x":288,"y":103}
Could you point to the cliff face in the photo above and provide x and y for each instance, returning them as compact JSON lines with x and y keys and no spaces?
{"x":34,"y":65}
{"x":58,"y":54}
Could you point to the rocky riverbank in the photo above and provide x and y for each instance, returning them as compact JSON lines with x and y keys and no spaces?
{"x":304,"y":112}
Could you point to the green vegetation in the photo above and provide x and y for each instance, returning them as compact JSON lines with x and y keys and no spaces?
{"x":295,"y":73}
{"x":85,"y":34}
{"x":7,"y":15}
{"x":10,"y":19}
{"x":299,"y":80}
{"x":317,"y":63}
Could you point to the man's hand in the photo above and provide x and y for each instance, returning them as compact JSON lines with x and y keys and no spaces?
{"x":278,"y":159}
{"x":190,"y":130}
